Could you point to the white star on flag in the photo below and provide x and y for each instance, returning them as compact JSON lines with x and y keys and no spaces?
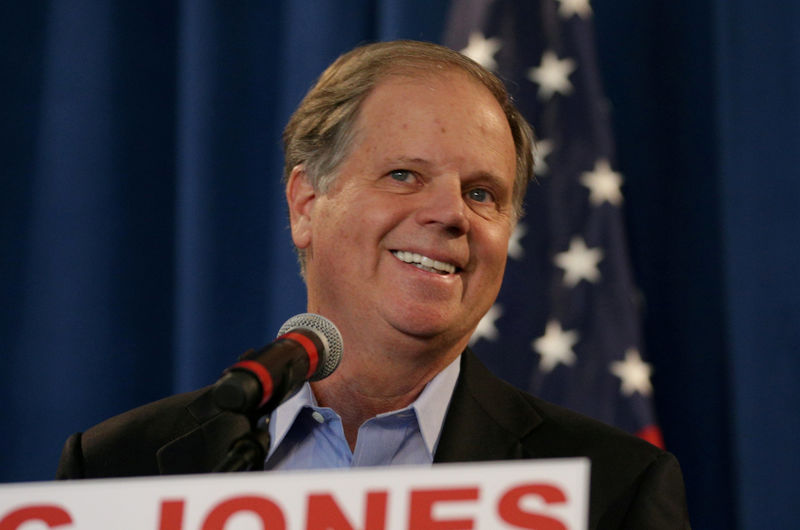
{"x":567,"y":8}
{"x":603,"y":183}
{"x":541,"y":149}
{"x":555,"y":346}
{"x":552,"y":75}
{"x":633,"y":373}
{"x":515,"y":249}
{"x":579,"y":262}
{"x":482,"y":50}
{"x":486,"y":327}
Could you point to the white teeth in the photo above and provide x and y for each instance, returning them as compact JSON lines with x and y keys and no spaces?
{"x":424,"y":262}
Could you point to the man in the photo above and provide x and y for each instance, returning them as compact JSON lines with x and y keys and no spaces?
{"x":406,"y":166}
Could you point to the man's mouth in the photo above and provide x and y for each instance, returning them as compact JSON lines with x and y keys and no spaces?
{"x":424,"y":262}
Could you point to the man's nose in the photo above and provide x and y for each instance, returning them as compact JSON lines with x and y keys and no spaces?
{"x":443,"y":205}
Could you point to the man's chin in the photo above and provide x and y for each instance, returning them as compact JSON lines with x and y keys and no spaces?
{"x":429,"y":331}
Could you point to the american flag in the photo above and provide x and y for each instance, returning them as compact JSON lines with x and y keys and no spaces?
{"x":566,"y":325}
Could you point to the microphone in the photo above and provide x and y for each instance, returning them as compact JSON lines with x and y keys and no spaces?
{"x":308,"y":348}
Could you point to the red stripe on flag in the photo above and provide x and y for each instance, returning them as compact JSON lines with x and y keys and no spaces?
{"x":652,"y":434}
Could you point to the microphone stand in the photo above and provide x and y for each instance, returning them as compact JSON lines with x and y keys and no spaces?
{"x":236,"y":392}
{"x":239,"y":391}
{"x":247,"y":451}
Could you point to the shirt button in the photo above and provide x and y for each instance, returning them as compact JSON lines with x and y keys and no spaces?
{"x":319,"y":418}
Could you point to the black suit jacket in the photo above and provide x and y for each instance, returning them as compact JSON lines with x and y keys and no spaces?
{"x":633,"y":483}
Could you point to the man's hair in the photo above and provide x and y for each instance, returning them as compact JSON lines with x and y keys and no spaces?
{"x":320,"y":133}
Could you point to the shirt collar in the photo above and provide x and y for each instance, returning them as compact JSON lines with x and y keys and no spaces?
{"x":284,"y":416}
{"x":430,"y":408}
{"x":431,"y":405}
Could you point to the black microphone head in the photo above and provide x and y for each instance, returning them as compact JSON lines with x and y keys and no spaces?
{"x":329,"y":336}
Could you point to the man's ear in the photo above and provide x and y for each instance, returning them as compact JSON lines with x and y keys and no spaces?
{"x":300,"y":196}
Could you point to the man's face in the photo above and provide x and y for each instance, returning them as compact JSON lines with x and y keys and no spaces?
{"x":411,"y":239}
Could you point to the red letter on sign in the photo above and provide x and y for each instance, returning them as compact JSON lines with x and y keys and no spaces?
{"x":324,"y":513}
{"x":171,"y":515}
{"x":510,"y":511}
{"x":52,"y":516}
{"x":420,"y":516}
{"x":269,"y":512}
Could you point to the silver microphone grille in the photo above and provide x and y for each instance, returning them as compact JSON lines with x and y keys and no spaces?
{"x":328,"y":334}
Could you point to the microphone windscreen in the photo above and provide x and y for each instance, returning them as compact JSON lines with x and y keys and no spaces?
{"x":328,"y":335}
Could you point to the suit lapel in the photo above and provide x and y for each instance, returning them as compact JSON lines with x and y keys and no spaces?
{"x":487,"y":418}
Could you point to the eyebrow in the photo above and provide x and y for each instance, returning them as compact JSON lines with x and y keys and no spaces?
{"x":407,"y":160}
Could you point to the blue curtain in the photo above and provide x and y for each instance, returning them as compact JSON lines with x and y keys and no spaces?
{"x":142,"y":227}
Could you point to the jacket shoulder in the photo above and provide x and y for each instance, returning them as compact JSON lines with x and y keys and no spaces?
{"x":634,"y":484}
{"x":126,"y":444}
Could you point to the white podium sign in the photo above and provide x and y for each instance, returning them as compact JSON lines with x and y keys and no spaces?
{"x":543,"y":494}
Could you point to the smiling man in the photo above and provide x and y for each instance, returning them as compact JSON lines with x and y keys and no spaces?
{"x":406,"y":165}
{"x":405,"y":250}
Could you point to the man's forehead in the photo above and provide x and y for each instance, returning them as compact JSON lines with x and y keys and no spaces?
{"x":401,"y":96}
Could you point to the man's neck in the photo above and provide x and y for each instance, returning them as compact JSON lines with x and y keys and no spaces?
{"x":365,"y":386}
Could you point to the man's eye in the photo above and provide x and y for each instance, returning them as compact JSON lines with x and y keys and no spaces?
{"x":402,"y":175}
{"x":479,"y":195}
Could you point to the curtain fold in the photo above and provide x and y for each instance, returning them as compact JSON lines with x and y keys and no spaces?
{"x":758,"y":105}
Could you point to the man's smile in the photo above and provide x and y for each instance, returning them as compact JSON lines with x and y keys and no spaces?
{"x":424,"y":262}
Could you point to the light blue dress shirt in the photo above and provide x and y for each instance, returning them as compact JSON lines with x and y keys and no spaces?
{"x":307,"y":436}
